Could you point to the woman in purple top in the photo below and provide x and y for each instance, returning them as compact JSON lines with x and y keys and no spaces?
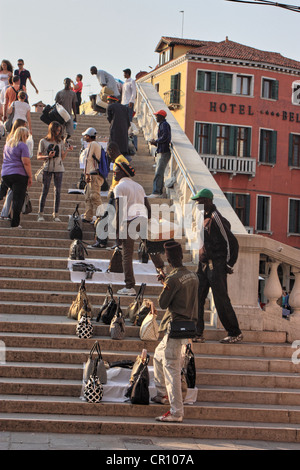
{"x":16,"y":170}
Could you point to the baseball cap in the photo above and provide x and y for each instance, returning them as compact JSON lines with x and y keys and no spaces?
{"x":206,"y":193}
{"x":91,"y":131}
{"x":161,"y":112}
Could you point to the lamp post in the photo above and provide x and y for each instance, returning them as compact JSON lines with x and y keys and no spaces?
{"x":182,"y":12}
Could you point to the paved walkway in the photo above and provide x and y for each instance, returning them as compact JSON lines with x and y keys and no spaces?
{"x":48,"y":441}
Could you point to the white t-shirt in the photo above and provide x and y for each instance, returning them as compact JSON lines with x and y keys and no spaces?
{"x":128,"y":91}
{"x":131,"y":199}
{"x":21,"y":110}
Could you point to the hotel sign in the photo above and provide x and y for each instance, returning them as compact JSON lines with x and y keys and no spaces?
{"x":247,"y":110}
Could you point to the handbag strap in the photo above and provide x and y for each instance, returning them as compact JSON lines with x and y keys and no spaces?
{"x":140,"y":294}
{"x":110,"y":291}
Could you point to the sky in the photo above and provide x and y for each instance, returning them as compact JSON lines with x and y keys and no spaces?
{"x":61,"y":38}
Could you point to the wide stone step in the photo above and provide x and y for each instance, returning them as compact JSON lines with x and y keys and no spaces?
{"x":199,"y":429}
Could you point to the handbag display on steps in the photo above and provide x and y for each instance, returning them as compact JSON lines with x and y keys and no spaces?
{"x":93,"y":390}
{"x":138,"y":390}
{"x":134,"y":307}
{"x":189,"y":368}
{"x":84,"y":328}
{"x":116,"y":265}
{"x":117,"y":325}
{"x":149,"y":327}
{"x":76,"y":306}
{"x":95,"y":358}
{"x":109,"y":307}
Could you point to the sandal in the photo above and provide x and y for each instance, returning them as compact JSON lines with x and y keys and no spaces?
{"x":198,"y":339}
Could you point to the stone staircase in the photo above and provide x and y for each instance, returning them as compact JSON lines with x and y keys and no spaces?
{"x":247,"y":391}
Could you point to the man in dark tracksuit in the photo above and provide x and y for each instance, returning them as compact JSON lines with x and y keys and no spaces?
{"x":213,"y":269}
{"x":163,"y":153}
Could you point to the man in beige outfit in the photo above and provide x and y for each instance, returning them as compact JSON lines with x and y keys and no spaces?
{"x":92,"y":177}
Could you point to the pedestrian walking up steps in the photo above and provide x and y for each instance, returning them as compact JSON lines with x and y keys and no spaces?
{"x":246,"y":391}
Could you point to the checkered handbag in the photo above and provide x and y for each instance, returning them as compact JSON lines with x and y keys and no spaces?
{"x":84,"y":328}
{"x":93,"y":390}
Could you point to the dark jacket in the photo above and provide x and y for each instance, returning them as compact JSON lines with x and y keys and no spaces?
{"x":163,"y":137}
{"x":179,"y":297}
{"x":216,"y":245}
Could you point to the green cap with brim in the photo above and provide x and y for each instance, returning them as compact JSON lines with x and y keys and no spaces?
{"x":203,"y":193}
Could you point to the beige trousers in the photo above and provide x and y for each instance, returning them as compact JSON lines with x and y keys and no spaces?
{"x":92,"y":196}
{"x":167,"y":364}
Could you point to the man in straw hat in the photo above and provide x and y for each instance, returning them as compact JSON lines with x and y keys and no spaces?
{"x":180,"y":298}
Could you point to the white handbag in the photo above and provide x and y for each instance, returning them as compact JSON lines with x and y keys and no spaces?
{"x":63,"y":112}
{"x":149,"y":327}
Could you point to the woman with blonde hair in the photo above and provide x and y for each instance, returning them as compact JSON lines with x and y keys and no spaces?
{"x":16,"y":170}
{"x":53,"y":151}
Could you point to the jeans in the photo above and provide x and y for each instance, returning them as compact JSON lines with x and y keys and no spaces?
{"x":18,"y":184}
{"x":161,"y":165}
{"x":216,"y":278}
{"x":47,"y":176}
{"x":167,"y":372}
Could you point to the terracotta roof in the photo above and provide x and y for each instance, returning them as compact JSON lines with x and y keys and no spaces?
{"x":180,"y":41}
{"x":234,"y":50}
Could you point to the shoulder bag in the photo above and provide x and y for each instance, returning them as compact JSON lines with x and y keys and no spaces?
{"x":95,"y":359}
{"x":182,"y":329}
{"x":117,"y":326}
{"x":109,"y":307}
{"x":189,"y":368}
{"x":134,"y":307}
{"x":77,"y":304}
{"x":84,"y":328}
{"x":138,"y":390}
{"x":116,"y":264}
{"x":27,"y":206}
{"x":93,"y":390}
{"x":149,"y":330}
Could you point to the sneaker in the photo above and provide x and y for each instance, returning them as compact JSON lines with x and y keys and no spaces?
{"x":161,"y":400}
{"x":126,"y":291}
{"x":97,"y":245}
{"x":169,"y":418}
{"x":56,"y":219}
{"x":232,"y":339}
{"x":154,"y":195}
{"x":40,"y":218}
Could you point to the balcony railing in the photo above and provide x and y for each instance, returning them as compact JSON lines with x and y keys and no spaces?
{"x":228,"y":164}
{"x":172,"y":99}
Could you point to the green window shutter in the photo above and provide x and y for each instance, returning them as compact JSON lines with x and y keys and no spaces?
{"x":175,"y":89}
{"x":249,"y":137}
{"x":233,"y":131}
{"x":213,"y":81}
{"x":224,"y":84}
{"x":197,"y":131}
{"x":291,"y":156}
{"x":260,"y":214}
{"x":292,"y":216}
{"x":273,"y":147}
{"x":247,"y":211}
{"x":200,"y":80}
{"x":275,"y":88}
{"x":213,"y":146}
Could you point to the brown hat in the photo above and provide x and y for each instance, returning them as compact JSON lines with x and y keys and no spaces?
{"x":173,"y":251}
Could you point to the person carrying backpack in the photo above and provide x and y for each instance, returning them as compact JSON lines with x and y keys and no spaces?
{"x":93,"y":179}
{"x":216,"y":259}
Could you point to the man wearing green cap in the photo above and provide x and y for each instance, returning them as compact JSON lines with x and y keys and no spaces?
{"x":216,"y":259}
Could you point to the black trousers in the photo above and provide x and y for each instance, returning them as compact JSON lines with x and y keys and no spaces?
{"x":18,"y":184}
{"x":216,"y":278}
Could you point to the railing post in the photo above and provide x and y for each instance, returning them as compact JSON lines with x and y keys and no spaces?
{"x":273,"y":289}
{"x":294,"y":299}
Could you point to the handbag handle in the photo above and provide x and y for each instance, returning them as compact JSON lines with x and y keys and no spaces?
{"x":96,"y":348}
{"x":140,"y":294}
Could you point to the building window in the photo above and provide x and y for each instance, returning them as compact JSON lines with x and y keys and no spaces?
{"x":202,"y":138}
{"x":222,"y":140}
{"x":294,"y":150}
{"x":268,"y":146}
{"x":214,"y":82}
{"x":243,"y":141}
{"x":164,"y":57}
{"x":241,"y":205}
{"x":243,"y":85}
{"x":270,"y":89}
{"x":222,"y":143}
{"x":175,"y":89}
{"x":263,"y":214}
{"x":296,"y":93}
{"x":294,"y":216}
